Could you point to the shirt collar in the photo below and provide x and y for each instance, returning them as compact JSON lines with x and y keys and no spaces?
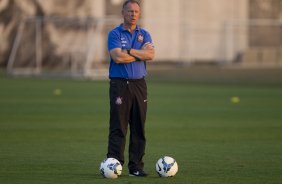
{"x":123,"y":29}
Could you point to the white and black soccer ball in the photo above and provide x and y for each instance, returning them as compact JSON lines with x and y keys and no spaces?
{"x":110,"y":168}
{"x":166,"y":167}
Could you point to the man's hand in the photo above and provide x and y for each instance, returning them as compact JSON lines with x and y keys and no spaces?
{"x":147,"y":46}
{"x":146,"y":53}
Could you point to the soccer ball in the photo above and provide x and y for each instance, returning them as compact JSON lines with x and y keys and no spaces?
{"x":110,"y":168}
{"x":166,"y":167}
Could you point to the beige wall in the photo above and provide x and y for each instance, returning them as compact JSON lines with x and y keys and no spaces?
{"x":192,"y":30}
{"x":162,"y":19}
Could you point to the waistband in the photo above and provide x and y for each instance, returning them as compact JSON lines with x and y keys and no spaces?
{"x":124,"y":79}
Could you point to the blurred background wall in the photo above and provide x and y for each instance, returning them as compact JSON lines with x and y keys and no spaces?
{"x":36,"y":35}
{"x":192,"y":30}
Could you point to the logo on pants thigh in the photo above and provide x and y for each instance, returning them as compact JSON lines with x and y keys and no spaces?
{"x":119,"y":100}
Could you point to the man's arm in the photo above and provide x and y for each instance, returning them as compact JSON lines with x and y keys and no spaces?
{"x":121,"y":56}
{"x":146,"y":53}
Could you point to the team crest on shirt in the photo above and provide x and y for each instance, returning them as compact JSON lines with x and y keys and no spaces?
{"x":140,"y":38}
{"x":119,"y":100}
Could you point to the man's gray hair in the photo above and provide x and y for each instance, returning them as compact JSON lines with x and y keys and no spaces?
{"x":130,"y":1}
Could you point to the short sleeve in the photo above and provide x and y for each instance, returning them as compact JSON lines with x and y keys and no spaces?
{"x":113,"y":40}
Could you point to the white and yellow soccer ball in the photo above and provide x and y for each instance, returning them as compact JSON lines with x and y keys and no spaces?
{"x":166,"y":167}
{"x":110,"y":168}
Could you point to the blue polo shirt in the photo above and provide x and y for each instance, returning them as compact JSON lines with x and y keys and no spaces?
{"x":122,"y":38}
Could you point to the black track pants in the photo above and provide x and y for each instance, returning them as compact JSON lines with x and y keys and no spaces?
{"x":128,"y":105}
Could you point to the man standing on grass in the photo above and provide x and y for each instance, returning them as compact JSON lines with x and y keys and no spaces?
{"x":129,"y":47}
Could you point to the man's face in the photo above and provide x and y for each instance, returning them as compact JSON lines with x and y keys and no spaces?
{"x":131,"y":13}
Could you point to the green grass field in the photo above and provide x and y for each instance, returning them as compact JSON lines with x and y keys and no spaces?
{"x":47,"y":138}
